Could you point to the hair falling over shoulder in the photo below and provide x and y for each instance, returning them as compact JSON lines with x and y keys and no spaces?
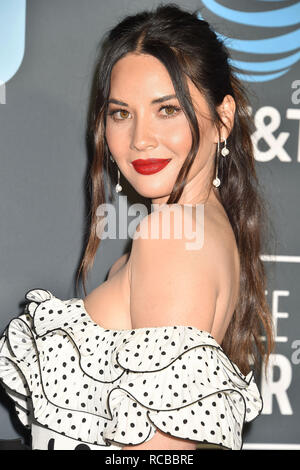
{"x":188,"y":47}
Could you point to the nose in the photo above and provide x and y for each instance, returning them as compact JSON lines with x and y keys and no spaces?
{"x":143,"y":136}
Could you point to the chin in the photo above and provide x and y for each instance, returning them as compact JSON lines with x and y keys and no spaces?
{"x":152,"y":193}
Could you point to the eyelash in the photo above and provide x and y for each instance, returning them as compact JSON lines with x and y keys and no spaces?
{"x":176,"y":108}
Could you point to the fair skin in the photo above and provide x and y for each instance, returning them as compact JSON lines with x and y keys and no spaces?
{"x":140,"y":129}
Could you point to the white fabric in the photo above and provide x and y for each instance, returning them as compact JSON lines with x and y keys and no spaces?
{"x":100,"y":386}
{"x":46,"y":439}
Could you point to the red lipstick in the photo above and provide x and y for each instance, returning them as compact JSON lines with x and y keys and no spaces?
{"x":150,"y":165}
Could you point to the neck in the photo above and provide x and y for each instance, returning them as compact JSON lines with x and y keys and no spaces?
{"x":194,"y":193}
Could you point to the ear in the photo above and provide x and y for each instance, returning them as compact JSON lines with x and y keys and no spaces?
{"x":226,"y":111}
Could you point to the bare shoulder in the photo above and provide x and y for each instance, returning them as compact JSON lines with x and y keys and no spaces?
{"x":172,"y":281}
{"x":171,"y":222}
{"x":203,"y":231}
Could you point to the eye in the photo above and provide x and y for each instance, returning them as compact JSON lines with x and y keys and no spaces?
{"x":175,"y":110}
{"x":115,"y":111}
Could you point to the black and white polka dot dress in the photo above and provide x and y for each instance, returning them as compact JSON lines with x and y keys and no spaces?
{"x":78,"y":385}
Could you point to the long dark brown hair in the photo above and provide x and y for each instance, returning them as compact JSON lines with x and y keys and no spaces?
{"x":188,"y":47}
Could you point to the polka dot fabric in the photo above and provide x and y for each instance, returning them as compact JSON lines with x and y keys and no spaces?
{"x":106,"y":387}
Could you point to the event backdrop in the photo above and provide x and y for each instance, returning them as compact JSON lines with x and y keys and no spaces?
{"x":47,"y":53}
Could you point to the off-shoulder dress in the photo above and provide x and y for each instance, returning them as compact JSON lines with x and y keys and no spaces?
{"x":77,"y":385}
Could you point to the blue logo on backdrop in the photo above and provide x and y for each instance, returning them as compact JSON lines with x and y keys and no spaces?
{"x":12,"y":37}
{"x":282,"y":43}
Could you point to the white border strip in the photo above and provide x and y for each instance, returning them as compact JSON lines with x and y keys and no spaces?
{"x":280,"y":258}
{"x":271,"y":446}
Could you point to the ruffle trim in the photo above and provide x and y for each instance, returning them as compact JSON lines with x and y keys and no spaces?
{"x":103,"y":386}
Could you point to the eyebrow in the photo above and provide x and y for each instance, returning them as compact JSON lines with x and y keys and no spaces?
{"x":157,"y":100}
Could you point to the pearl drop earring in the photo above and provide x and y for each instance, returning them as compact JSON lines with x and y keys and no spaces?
{"x":216,"y":181}
{"x":118,"y":186}
{"x":224,"y":150}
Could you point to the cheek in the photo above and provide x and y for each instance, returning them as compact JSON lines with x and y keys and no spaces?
{"x":177,"y":137}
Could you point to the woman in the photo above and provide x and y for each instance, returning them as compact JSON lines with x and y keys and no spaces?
{"x":159,"y":355}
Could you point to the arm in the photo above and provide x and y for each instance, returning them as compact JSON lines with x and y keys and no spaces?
{"x":162,"y":441}
{"x":171,"y":286}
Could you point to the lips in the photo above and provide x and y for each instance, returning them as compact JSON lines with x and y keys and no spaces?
{"x":150,"y":165}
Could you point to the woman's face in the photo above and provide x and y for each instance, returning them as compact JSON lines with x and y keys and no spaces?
{"x":138,"y":128}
